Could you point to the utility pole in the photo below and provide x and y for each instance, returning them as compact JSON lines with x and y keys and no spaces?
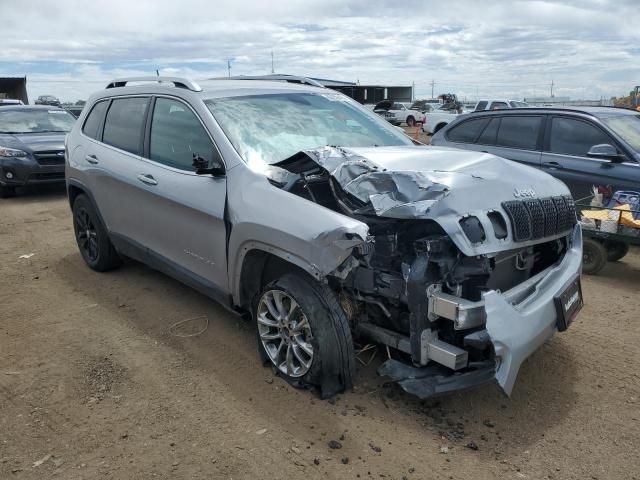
{"x":229,"y":68}
{"x":433,"y":83}
{"x":272,"y":70}
{"x":413,"y":89}
{"x":157,"y":72}
{"x":551,"y":88}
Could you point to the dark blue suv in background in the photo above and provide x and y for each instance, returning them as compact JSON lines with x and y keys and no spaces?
{"x":582,"y":147}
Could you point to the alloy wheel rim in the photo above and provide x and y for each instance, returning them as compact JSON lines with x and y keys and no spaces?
{"x":285,"y":333}
{"x":87,"y":235}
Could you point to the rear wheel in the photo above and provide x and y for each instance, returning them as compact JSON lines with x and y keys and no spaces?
{"x":92,"y":237}
{"x":616,"y":250}
{"x":411,"y":121}
{"x":594,"y":256}
{"x":304,"y":334}
{"x":7,"y":192}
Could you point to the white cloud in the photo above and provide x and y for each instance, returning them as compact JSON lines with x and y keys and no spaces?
{"x":71,"y":47}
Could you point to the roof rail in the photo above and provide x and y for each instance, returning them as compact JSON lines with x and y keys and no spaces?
{"x":177,"y":82}
{"x":276,"y":78}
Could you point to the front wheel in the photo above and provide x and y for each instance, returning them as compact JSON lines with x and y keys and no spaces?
{"x":304,"y":334}
{"x":594,"y":256}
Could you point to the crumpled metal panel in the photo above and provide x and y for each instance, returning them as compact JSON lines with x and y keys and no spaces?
{"x":393,"y":194}
{"x":519,"y":328}
{"x":436,"y":183}
{"x":434,"y":380}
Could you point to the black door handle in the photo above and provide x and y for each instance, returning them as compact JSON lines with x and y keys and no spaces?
{"x":552,"y":165}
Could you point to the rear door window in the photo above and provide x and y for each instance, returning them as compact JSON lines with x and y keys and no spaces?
{"x":571,"y":136}
{"x":124,"y":122}
{"x":519,"y":132}
{"x":467,"y":131}
{"x":94,"y":120}
{"x":177,"y":136}
{"x":489,"y":134}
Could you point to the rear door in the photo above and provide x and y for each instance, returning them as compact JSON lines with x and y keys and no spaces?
{"x":517,"y":137}
{"x":567,"y":141}
{"x":114,"y":161}
{"x":181,"y":214}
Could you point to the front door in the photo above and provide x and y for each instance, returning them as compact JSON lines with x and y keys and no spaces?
{"x":181,"y":213}
{"x":565,"y":157}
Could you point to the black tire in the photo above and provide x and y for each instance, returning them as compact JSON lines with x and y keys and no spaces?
{"x":332,"y":367}
{"x":616,"y":250}
{"x":7,"y":192}
{"x":411,"y":122}
{"x":594,"y":256}
{"x":92,"y":237}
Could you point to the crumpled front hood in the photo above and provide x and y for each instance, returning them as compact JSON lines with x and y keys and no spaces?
{"x":465,"y":173}
{"x":437,"y":183}
{"x":33,"y":142}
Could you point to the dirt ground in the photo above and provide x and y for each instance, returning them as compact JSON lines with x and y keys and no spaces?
{"x":95,"y":383}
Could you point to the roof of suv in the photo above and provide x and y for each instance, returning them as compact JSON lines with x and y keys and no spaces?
{"x":215,"y":88}
{"x":598,"y":112}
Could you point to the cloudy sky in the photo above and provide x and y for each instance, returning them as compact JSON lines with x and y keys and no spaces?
{"x":589,"y":48}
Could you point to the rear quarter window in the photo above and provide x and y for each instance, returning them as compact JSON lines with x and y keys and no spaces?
{"x":94,"y":119}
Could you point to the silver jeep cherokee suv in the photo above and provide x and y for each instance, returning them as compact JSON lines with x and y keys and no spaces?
{"x":295,"y":204}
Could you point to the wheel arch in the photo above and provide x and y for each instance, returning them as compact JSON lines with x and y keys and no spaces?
{"x":258,"y":264}
{"x":76,"y":188}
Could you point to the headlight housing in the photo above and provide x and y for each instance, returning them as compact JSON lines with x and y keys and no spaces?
{"x":11,"y":152}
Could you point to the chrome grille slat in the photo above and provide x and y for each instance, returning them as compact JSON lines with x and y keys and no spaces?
{"x":533,"y":219}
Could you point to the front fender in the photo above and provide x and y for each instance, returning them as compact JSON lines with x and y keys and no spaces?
{"x":304,"y":233}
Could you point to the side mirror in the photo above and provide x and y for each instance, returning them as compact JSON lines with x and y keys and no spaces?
{"x":214,"y":168}
{"x":604,"y":151}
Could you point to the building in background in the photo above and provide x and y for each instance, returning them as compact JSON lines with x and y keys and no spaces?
{"x":369,"y":94}
{"x":14,"y":88}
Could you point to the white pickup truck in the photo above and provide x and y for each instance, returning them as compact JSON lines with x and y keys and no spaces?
{"x":437,"y":118}
{"x":397,"y":113}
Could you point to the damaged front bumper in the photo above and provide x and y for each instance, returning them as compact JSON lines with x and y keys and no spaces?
{"x":517,"y":323}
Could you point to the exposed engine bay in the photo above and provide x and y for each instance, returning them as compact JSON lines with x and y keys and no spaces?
{"x":409,"y":285}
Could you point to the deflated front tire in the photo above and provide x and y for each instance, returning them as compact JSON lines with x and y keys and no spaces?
{"x":304,"y":335}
